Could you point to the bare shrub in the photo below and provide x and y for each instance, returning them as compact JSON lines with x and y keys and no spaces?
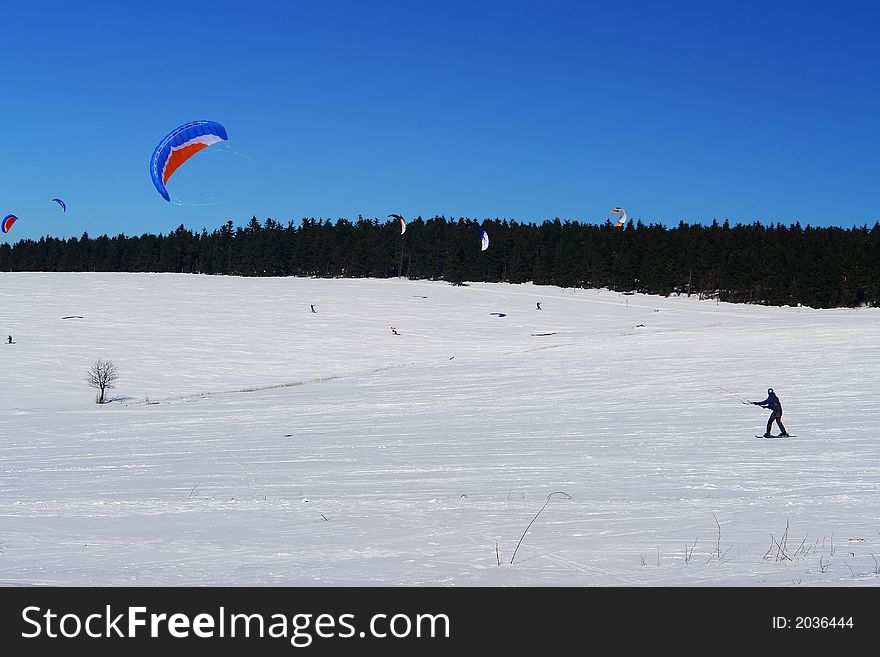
{"x":102,"y":375}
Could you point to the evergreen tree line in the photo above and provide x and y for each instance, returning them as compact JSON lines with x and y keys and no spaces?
{"x":753,"y":263}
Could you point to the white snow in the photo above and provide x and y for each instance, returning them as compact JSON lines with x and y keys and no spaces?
{"x":253,"y":442}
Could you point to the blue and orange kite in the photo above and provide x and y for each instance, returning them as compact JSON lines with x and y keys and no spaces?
{"x":180,"y":145}
{"x":8,"y":220}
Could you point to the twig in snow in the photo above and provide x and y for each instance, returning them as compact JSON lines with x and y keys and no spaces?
{"x":780,"y":552}
{"x":718,"y":541}
{"x":785,"y":536}
{"x":549,"y":497}
{"x":721,"y":560}
{"x":717,"y":553}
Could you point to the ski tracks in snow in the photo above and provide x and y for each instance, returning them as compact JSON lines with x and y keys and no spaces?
{"x":273,"y":386}
{"x":570,"y":564}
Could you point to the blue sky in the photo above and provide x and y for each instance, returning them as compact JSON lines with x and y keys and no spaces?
{"x":690,"y":111}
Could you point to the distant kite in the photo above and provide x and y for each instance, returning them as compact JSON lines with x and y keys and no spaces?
{"x":622,"y":221}
{"x":485,"y":241}
{"x":61,"y":203}
{"x":180,"y":145}
{"x":402,"y":222}
{"x":8,"y":220}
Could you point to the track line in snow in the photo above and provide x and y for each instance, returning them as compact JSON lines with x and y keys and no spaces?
{"x":273,"y":386}
{"x":586,"y":569}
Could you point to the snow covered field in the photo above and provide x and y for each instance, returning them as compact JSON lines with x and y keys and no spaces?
{"x":253,"y":442}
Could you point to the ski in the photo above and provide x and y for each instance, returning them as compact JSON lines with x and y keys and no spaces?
{"x":791,"y":435}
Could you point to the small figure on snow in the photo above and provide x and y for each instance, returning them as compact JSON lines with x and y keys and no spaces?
{"x":9,"y":340}
{"x":313,"y":308}
{"x":772,"y":402}
{"x":539,"y":305}
{"x":394,"y":331}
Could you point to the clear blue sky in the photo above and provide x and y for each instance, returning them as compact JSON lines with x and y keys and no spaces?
{"x":675,"y":110}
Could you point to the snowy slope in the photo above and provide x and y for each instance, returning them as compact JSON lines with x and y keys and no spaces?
{"x":252,"y":442}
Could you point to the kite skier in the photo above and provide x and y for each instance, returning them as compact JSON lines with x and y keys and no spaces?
{"x":772,"y":402}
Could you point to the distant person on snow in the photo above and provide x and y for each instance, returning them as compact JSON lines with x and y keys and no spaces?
{"x":539,"y":305}
{"x":313,"y":308}
{"x":772,"y":402}
{"x":394,"y":331}
{"x":9,"y":340}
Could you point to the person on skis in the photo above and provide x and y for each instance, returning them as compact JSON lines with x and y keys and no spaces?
{"x":772,"y":402}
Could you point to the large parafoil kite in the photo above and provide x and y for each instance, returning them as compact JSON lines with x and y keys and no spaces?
{"x":180,"y":145}
{"x":402,"y":222}
{"x":8,"y":220}
{"x":61,"y":203}
{"x":485,"y":241}
{"x":622,"y":221}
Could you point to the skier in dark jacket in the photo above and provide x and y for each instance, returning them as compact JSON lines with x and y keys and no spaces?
{"x":772,"y":402}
